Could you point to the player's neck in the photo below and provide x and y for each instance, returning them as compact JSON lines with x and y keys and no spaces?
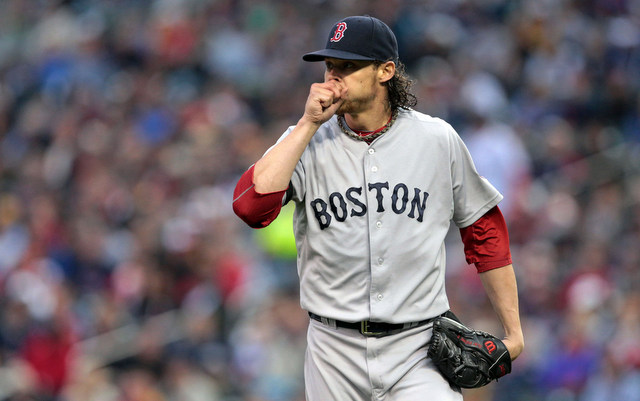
{"x":369,"y":120}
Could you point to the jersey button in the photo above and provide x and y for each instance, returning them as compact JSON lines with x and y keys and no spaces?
{"x":378,"y":224}
{"x":374,"y":169}
{"x":371,"y":151}
{"x":380,"y":296}
{"x":380,"y":261}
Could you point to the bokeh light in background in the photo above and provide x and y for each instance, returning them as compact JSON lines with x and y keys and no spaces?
{"x":124,"y":125}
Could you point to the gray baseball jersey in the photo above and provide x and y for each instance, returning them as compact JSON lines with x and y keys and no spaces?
{"x":370,"y":220}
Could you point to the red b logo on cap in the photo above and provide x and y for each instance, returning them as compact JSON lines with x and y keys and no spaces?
{"x":339,"y":33}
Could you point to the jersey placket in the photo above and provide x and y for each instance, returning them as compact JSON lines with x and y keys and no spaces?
{"x":375,"y":190}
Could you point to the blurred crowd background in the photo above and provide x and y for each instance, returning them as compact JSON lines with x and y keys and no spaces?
{"x":125,"y":124}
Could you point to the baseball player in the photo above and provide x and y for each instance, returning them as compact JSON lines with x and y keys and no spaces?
{"x":376,"y":185}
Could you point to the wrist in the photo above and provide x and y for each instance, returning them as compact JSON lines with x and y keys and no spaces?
{"x":515,"y":345}
{"x":514,"y":334}
{"x":308,"y":123}
{"x":307,"y":128}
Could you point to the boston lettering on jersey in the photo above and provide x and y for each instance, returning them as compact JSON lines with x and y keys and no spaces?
{"x":341,"y":206}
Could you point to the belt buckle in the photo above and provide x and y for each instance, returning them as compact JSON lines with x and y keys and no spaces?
{"x":364,"y":329}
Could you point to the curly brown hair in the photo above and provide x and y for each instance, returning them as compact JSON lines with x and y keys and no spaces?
{"x":399,"y":88}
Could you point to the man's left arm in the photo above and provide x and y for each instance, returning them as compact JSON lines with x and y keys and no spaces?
{"x":486,"y":245}
{"x":502,"y":290}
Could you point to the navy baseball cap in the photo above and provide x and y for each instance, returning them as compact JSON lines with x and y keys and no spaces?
{"x":358,"y":38}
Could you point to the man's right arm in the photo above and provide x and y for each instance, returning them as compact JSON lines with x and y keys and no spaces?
{"x":274,"y":170}
{"x":272,"y":173}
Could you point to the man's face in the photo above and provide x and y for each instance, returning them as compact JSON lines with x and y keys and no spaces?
{"x":360,"y":77}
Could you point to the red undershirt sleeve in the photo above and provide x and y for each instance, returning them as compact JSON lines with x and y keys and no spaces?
{"x":256,"y":209}
{"x":486,"y":242}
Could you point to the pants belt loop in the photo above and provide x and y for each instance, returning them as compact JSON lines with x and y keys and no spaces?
{"x":329,"y":322}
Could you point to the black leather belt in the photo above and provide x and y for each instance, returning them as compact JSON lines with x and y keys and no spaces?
{"x":369,"y":328}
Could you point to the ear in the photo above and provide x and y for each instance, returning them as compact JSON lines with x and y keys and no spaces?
{"x":386,"y":71}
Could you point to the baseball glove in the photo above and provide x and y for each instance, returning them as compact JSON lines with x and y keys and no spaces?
{"x":467,"y":358}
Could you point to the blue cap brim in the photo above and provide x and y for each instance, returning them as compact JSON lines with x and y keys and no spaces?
{"x":320,"y":55}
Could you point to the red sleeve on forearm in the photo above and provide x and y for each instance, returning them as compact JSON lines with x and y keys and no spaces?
{"x":255,"y":209}
{"x":486,"y":242}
